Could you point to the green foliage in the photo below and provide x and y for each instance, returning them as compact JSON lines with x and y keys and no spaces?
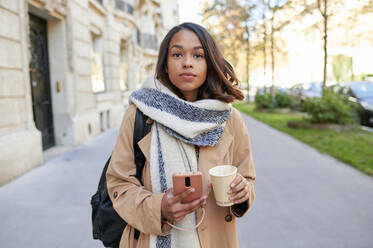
{"x":352,"y":146}
{"x":331,"y":108}
{"x":264,"y":101}
{"x":284,"y":100}
{"x":359,"y":77}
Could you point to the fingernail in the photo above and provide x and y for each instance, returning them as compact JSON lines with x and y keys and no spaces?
{"x":192,"y":190}
{"x":231,"y":198}
{"x":229,"y":191}
{"x":232,"y":185}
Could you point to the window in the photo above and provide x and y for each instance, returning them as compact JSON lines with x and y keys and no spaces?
{"x":97,"y":75}
{"x":107,"y":119}
{"x":138,"y":36}
{"x":124,"y":6}
{"x":123,"y":66}
{"x":102,"y":121}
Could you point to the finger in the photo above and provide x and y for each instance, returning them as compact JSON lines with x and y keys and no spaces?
{"x":236,"y":181}
{"x":180,"y":218}
{"x":204,"y":200}
{"x":239,"y":187}
{"x":176,"y":212}
{"x":243,"y":199}
{"x":241,"y":193}
{"x":169,"y":195}
{"x":179,"y":197}
{"x":238,"y":195}
{"x":179,"y":207}
{"x":182,"y":214}
{"x":192,"y":206}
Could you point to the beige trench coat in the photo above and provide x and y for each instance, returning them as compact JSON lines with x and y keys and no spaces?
{"x":141,"y":209}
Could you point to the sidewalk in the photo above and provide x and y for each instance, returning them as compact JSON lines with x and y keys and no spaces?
{"x":50,"y":206}
{"x":304,"y":198}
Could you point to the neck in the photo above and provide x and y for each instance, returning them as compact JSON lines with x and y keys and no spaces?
{"x":190,"y":96}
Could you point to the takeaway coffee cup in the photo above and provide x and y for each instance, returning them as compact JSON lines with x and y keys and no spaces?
{"x":221,"y":178}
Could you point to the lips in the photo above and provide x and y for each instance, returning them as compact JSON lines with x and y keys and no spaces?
{"x":188,"y":76}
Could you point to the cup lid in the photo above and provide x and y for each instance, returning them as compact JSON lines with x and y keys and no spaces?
{"x":222,"y":170}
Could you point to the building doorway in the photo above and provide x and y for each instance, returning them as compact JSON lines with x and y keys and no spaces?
{"x":40,"y":81}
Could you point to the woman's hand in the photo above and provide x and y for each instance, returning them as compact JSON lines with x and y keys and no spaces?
{"x":173,"y":210}
{"x":239,"y":190}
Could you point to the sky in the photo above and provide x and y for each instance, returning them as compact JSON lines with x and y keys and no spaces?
{"x":189,"y":11}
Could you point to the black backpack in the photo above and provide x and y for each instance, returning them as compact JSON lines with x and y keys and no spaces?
{"x":107,"y":225}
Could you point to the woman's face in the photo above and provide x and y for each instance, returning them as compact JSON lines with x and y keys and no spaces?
{"x":186,"y":63}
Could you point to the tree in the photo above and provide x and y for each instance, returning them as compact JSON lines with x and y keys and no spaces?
{"x":274,"y":6}
{"x":229,"y":23}
{"x":353,"y":28}
{"x":325,"y":16}
{"x":222,"y":19}
{"x":326,"y":9}
{"x":275,"y":16}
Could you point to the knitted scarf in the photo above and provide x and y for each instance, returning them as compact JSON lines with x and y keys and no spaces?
{"x":180,"y":128}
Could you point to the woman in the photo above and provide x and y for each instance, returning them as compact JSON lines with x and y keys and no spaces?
{"x":193,"y":128}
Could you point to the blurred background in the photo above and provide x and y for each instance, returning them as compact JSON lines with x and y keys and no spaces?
{"x":67,"y":68}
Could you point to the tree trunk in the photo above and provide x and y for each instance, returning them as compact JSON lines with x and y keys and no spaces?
{"x":325,"y":17}
{"x":248,"y":63}
{"x":272,"y":59}
{"x":264,"y":52}
{"x":248,"y":69}
{"x":353,"y":49}
{"x":352,"y":69}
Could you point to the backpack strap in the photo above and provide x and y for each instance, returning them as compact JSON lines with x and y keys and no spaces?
{"x":140,"y":130}
{"x":106,"y":223}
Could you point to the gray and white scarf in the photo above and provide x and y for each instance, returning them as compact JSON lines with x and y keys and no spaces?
{"x":179,"y":127}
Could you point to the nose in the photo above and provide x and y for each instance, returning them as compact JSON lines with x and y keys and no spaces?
{"x":188,"y":63}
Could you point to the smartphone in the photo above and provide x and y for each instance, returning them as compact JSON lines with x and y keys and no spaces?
{"x":185,"y":180}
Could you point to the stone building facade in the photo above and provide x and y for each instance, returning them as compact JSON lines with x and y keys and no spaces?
{"x":66,"y":70}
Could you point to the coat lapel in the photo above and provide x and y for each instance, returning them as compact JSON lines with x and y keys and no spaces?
{"x":144,"y":145}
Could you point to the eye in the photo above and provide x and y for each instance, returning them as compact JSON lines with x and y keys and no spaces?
{"x":198,"y":56}
{"x":176,"y":55}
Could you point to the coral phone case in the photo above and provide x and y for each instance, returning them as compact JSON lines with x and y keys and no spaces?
{"x":185,"y":180}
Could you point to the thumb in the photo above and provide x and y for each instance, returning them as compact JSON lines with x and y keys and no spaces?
{"x":169,"y":193}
